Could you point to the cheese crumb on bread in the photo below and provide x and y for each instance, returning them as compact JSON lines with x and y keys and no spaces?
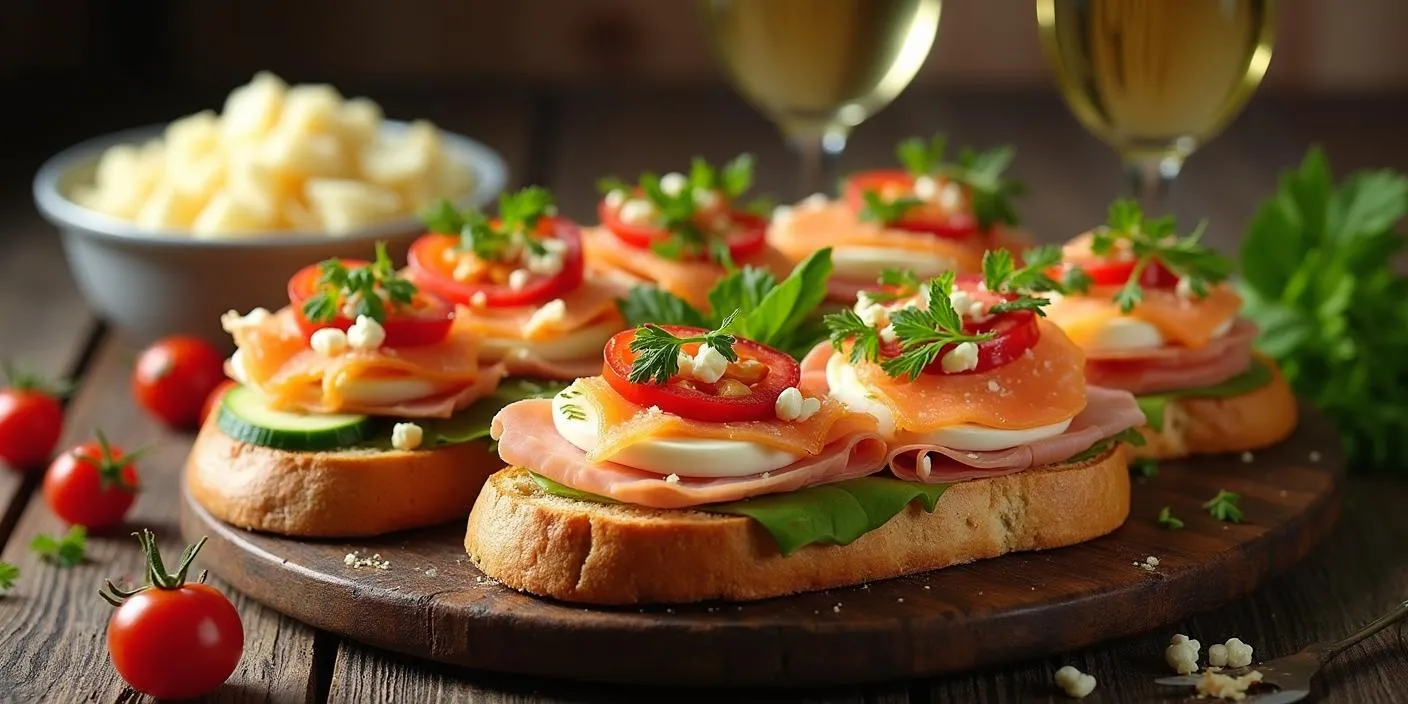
{"x":1074,"y":683}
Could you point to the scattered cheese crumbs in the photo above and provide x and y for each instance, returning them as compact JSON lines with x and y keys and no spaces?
{"x":465,"y":269}
{"x":673,"y":183}
{"x":965,"y":304}
{"x":1248,"y":457}
{"x":432,"y":572}
{"x":781,"y":215}
{"x":406,"y":436}
{"x":766,"y":475}
{"x":1152,"y":560}
{"x":1184,"y":289}
{"x":900,"y":600}
{"x":926,"y":464}
{"x":1218,"y":686}
{"x":789,"y":404}
{"x":352,"y":560}
{"x":366,"y":334}
{"x":1182,"y":654}
{"x":1074,"y":683}
{"x":950,"y":196}
{"x":232,"y":320}
{"x":479,"y":299}
{"x":328,"y":342}
{"x":814,"y":201}
{"x":993,"y":386}
{"x":1239,"y":654}
{"x":550,"y":315}
{"x":972,"y":455}
{"x":615,"y":198}
{"x":550,"y":261}
{"x":925,"y":188}
{"x":1314,"y":456}
{"x":962,"y":358}
{"x":809,"y":408}
{"x":636,"y":212}
{"x":709,"y":365}
{"x":926,"y":587}
{"x":888,"y":334}
{"x":705,"y":199}
{"x":518,"y":278}
{"x":673,"y":479}
{"x":873,"y":315}
{"x":836,"y":609}
{"x":1217,"y":656}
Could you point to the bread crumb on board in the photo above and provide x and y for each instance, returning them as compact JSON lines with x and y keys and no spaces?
{"x":1074,"y":683}
{"x":355,"y":561}
{"x":1215,"y":685}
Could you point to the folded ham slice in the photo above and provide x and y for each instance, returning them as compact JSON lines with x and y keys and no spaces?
{"x":527,"y":438}
{"x":1108,"y":412}
{"x":1174,"y":366}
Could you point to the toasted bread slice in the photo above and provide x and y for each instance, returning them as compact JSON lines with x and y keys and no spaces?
{"x":343,"y":494}
{"x":1204,"y":426}
{"x":596,"y":553}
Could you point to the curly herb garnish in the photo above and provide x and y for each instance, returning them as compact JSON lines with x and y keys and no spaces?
{"x":658,"y":352}
{"x":365,"y":290}
{"x":678,"y":211}
{"x":1156,"y":239}
{"x":516,"y":229}
{"x":980,"y":173}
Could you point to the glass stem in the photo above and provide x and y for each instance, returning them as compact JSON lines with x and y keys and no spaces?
{"x":819,"y":152}
{"x":1150,"y":178}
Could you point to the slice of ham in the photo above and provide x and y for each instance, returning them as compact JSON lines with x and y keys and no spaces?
{"x":1174,"y":366}
{"x":527,"y":438}
{"x":527,"y":363}
{"x":1107,"y":413}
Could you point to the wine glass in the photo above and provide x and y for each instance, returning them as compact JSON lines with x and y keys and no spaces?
{"x":818,"y":68}
{"x":1155,"y":79}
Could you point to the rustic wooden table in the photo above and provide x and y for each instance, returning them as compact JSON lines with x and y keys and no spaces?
{"x":52,"y":624}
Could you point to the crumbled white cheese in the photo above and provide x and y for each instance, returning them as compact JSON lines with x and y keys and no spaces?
{"x":1182,"y":654}
{"x":1184,"y":289}
{"x":925,"y":188}
{"x":328,"y":342}
{"x":789,"y":404}
{"x":1239,"y":654}
{"x":950,"y":196}
{"x":232,"y":321}
{"x":962,"y":358}
{"x":1219,"y":686}
{"x":873,"y":315}
{"x":1217,"y":655}
{"x":673,"y":478}
{"x":705,"y":199}
{"x":888,"y":334}
{"x":993,"y":386}
{"x":479,"y":299}
{"x":615,"y":198}
{"x":406,"y":436}
{"x":518,"y":278}
{"x":1074,"y":683}
{"x":636,"y":212}
{"x":1248,"y":457}
{"x":809,"y":408}
{"x":781,"y":215}
{"x":709,"y":365}
{"x":550,"y":315}
{"x":465,"y":269}
{"x":1314,"y":456}
{"x":966,"y":304}
{"x":366,"y":334}
{"x":355,"y":561}
{"x":926,"y":464}
{"x":1151,"y":561}
{"x":815,"y":201}
{"x":237,"y":369}
{"x":673,"y":183}
{"x":550,"y":262}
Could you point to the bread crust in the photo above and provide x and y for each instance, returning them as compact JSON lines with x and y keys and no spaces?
{"x":346,"y":494}
{"x":607,"y":554}
{"x":1204,"y":426}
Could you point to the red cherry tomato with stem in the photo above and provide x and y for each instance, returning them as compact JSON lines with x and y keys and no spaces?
{"x":173,"y":639}
{"x":31,"y":419}
{"x":92,"y":485}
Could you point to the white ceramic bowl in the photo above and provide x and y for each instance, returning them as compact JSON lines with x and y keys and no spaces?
{"x":151,"y":283}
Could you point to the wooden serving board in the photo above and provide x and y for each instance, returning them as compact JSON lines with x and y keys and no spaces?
{"x":432,"y":603}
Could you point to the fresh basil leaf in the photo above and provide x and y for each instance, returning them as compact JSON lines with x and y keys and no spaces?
{"x":832,"y":514}
{"x":649,"y":304}
{"x":779,"y":314}
{"x":742,"y":290}
{"x":1155,"y":405}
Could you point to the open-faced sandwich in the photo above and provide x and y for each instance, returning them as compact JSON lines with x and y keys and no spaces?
{"x":704,"y":464}
{"x":519,"y":281}
{"x":930,"y":217}
{"x":680,"y":232}
{"x":1155,"y":315}
{"x":362,"y":409}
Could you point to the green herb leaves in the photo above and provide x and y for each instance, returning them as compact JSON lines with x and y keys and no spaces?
{"x":678,"y":201}
{"x":1318,"y":277}
{"x":1168,"y":520}
{"x":1149,"y":240}
{"x":885,"y":212}
{"x":365,"y":290}
{"x":1155,"y":405}
{"x":66,"y":551}
{"x":658,"y":351}
{"x":1223,"y":506}
{"x":8,"y":574}
{"x":1000,"y":275}
{"x":777,"y":314}
{"x":981,"y":174}
{"x":516,"y":230}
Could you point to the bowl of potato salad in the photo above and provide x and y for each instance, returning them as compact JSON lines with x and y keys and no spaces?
{"x":168,"y":226}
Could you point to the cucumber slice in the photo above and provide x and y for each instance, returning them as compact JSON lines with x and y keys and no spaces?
{"x":247,"y":417}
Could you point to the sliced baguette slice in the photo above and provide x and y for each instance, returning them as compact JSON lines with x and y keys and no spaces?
{"x":595,"y":553}
{"x":1205,"y":426}
{"x":344,"y":494}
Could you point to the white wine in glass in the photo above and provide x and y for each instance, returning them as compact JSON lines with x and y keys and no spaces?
{"x":818,"y":68}
{"x":1155,"y":79}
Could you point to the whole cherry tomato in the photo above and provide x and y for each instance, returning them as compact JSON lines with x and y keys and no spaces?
{"x":173,"y":639}
{"x":31,"y":420}
{"x":175,"y":376}
{"x":92,"y":485}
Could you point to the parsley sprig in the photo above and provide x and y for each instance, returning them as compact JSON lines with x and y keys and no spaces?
{"x":679,"y":212}
{"x":1168,"y":520}
{"x":1223,"y":506}
{"x":658,"y":351}
{"x":66,"y":551}
{"x":1156,"y":239}
{"x":516,"y":229}
{"x":8,"y":574}
{"x":980,"y":173}
{"x":1002,"y":275}
{"x":362,"y":288}
{"x":885,"y":212}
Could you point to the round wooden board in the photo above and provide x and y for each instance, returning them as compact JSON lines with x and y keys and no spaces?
{"x":432,"y":603}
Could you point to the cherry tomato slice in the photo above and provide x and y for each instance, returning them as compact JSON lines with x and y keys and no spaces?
{"x":1115,"y":273}
{"x":428,"y":324}
{"x":1017,"y":332}
{"x":433,"y":270}
{"x":746,"y":233}
{"x":927,"y":218}
{"x":783,"y":372}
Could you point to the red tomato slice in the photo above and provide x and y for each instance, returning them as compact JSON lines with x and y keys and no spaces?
{"x":927,"y":218}
{"x":431,"y":271}
{"x":783,"y":372}
{"x":746,"y":234}
{"x":1116,"y":273}
{"x":428,"y":323}
{"x":1017,"y":332}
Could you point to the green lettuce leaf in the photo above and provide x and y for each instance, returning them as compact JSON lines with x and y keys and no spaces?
{"x":649,"y":304}
{"x":1129,"y":435}
{"x":780,"y":314}
{"x":472,"y":423}
{"x":832,"y":514}
{"x":1255,"y":377}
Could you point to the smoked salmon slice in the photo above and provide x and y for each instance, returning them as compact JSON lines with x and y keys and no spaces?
{"x":610,"y":258}
{"x":590,"y":303}
{"x":1191,"y":323}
